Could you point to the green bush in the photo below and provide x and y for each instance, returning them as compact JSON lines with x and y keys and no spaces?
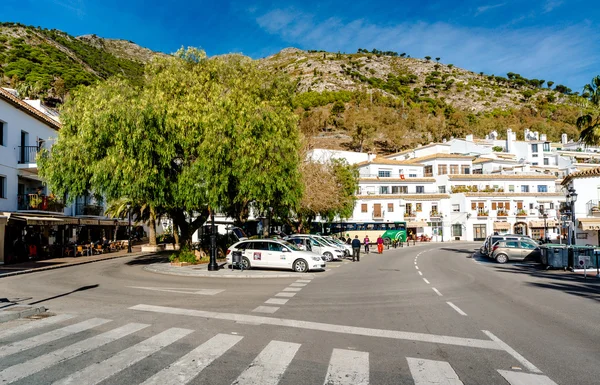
{"x":183,"y":256}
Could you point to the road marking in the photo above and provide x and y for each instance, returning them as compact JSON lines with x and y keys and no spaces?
{"x":426,"y":281}
{"x":283,"y":294}
{"x":348,"y":367}
{"x":303,"y":280}
{"x":429,"y":372}
{"x":31,"y":325}
{"x":415,"y":261}
{"x":417,"y":267}
{"x":342,"y":329}
{"x":266,"y":309}
{"x":99,"y":372}
{"x":504,"y":346}
{"x":27,"y":368}
{"x":453,"y":306}
{"x":292,"y":289}
{"x":182,"y":290}
{"x":437,"y":292}
{"x":269,"y":366}
{"x":297,"y":285}
{"x":54,"y":335}
{"x":190,"y":365}
{"x":277,"y":301}
{"x":419,"y":273}
{"x":516,"y":378}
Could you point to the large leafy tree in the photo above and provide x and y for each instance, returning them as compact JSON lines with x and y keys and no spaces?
{"x":589,"y":123}
{"x":199,"y":136}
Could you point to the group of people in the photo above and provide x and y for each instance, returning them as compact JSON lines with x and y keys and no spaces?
{"x":356,"y":246}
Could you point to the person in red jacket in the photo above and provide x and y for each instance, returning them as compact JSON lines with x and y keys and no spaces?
{"x":380,"y":244}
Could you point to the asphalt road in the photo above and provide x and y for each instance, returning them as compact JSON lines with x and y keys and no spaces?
{"x":426,"y":314}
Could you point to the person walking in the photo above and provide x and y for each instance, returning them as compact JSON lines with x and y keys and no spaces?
{"x":356,"y":249}
{"x":380,"y":244}
{"x":366,"y":242}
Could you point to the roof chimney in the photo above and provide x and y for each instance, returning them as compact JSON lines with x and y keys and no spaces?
{"x":564,"y":139}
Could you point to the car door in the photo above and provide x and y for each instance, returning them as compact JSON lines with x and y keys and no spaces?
{"x":315,"y":246}
{"x":529,"y":251}
{"x":275,"y":255}
{"x":256,"y":252}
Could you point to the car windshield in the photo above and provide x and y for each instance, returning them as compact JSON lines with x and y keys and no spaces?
{"x":289,"y":245}
{"x":326,"y":241}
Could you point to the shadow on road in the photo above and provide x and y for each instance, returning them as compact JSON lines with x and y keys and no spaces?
{"x":150,"y":259}
{"x":83,"y":288}
{"x":469,"y":251}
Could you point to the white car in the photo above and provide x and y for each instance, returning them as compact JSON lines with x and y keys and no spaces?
{"x":316,"y":245}
{"x":275,"y":254}
{"x":344,"y":246}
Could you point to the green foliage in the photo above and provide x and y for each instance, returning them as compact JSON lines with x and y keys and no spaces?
{"x":497,"y":149}
{"x":312,"y":99}
{"x":589,"y":123}
{"x":184,"y":255}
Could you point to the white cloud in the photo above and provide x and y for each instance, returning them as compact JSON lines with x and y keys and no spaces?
{"x":552,"y":5}
{"x":485,"y":8}
{"x":75,"y":6}
{"x":568,"y":55}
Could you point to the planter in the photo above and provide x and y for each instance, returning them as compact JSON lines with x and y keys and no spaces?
{"x":180,"y":264}
{"x":152,"y":249}
{"x":170,"y":246}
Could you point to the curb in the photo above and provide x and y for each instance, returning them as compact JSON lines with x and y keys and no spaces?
{"x":8,"y":315}
{"x":152,"y":269}
{"x":28,"y":271}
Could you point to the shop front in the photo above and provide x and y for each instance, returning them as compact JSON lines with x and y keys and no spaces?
{"x":501,"y":227}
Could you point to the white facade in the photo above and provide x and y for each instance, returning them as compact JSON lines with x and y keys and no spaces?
{"x":587,"y":206}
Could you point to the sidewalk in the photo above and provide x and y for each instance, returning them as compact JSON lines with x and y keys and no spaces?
{"x":57,"y":263}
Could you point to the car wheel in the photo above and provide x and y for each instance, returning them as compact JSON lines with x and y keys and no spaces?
{"x":300,"y":266}
{"x":246,"y":263}
{"x":501,"y":258}
{"x":328,"y":256}
{"x":386,"y":241}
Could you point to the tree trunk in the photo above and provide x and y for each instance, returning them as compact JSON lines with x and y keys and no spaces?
{"x":175,"y":235}
{"x":152,"y":227}
{"x":188,"y":229}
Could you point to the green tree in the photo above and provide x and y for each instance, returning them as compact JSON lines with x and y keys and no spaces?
{"x":427,"y":58}
{"x":589,"y":124}
{"x":437,"y":59}
{"x":550,"y":83}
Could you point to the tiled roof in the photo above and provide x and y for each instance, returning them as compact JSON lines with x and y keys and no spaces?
{"x":390,"y":162}
{"x":18,"y":103}
{"x":500,"y":176}
{"x":441,"y":156}
{"x":408,"y":180}
{"x":413,"y":197}
{"x":592,"y":172}
{"x":490,"y":160}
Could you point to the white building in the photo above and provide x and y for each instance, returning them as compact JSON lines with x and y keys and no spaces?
{"x":586,"y":184}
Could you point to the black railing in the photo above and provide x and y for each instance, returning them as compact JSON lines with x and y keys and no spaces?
{"x":39,"y":203}
{"x":88,"y":209}
{"x":593,"y":207}
{"x":27,"y":154}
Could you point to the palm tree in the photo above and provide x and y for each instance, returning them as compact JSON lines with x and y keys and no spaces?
{"x":142,"y":212}
{"x":589,"y":124}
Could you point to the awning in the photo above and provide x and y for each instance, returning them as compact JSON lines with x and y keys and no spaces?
{"x":39,"y":221}
{"x":417,"y":224}
{"x":540,"y":224}
{"x":122,"y":222}
{"x":86,"y":222}
{"x":589,"y":224}
{"x":501,"y":226}
{"x":107,"y":222}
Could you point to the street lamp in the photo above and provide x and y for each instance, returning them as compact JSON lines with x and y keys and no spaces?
{"x":572,"y":198}
{"x":212,"y":265}
{"x":129,"y":228}
{"x":545,"y":215}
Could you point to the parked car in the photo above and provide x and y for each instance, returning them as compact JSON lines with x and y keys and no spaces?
{"x":486,"y":248}
{"x":344,"y":246}
{"x":275,"y":254}
{"x":329,"y":241}
{"x":515,"y":250}
{"x":316,"y":245}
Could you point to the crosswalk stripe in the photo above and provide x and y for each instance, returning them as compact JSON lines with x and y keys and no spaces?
{"x":429,"y":372}
{"x":516,"y":378}
{"x":98,"y":372}
{"x":348,"y":367}
{"x":32,"y":325}
{"x":190,"y":365}
{"x":297,"y":284}
{"x":277,"y":301}
{"x":270,"y":364}
{"x":54,"y":335}
{"x":282,"y":294}
{"x":27,"y":368}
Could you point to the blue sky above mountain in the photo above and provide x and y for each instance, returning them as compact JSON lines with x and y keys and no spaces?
{"x":545,"y":39}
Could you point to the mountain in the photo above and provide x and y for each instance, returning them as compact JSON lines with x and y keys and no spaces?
{"x":370,"y":100}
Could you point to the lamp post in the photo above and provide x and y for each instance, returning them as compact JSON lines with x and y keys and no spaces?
{"x":572,"y":198}
{"x":212,"y":265}
{"x":545,"y":215}
{"x":129,"y":228}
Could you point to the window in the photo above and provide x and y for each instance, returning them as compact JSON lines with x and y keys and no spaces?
{"x":258,"y":246}
{"x":453,"y":169}
{"x":457,"y":230}
{"x":520,"y":205}
{"x":434,"y":208}
{"x":275,"y":246}
{"x":384,"y":190}
{"x":547,"y":146}
{"x":551,"y":205}
{"x":419,"y":207}
{"x":510,"y":244}
{"x":465,"y":169}
{"x":420,"y":189}
{"x":2,"y":186}
{"x":363,"y":208}
{"x":399,"y":190}
{"x":409,"y":207}
{"x":478,"y":171}
{"x":511,"y":188}
{"x":531,"y":206}
{"x":546,"y":161}
{"x":442,"y":169}
{"x":525,"y":189}
{"x":412,"y":175}
{"x":2,"y":140}
{"x":390,"y":207}
{"x":542,"y":188}
{"x":527,"y":245}
{"x":456,"y":208}
{"x":534,"y":148}
{"x":384,"y":173}
{"x":442,"y":189}
{"x":473,"y":206}
{"x":493,"y":205}
{"x":428,"y":170}
{"x":534,"y":163}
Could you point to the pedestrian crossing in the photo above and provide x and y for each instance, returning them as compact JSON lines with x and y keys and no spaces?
{"x":31,"y":354}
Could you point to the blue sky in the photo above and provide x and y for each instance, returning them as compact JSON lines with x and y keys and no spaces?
{"x":556,"y":40}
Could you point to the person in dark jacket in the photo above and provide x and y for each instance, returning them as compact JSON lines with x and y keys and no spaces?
{"x":356,"y":249}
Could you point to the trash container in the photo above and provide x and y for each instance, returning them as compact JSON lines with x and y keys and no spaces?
{"x":581,"y":253}
{"x":554,"y":256}
{"x":236,"y":258}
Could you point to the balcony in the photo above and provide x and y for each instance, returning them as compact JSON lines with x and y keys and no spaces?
{"x":482,"y":214}
{"x":521,"y":213}
{"x":435,"y":214}
{"x":28,"y":154}
{"x":378,"y":215}
{"x":501,"y":213}
{"x":88,"y":209}
{"x":37,"y":202}
{"x":593,"y":208}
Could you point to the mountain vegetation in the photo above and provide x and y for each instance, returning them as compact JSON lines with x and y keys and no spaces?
{"x":371,"y":100}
